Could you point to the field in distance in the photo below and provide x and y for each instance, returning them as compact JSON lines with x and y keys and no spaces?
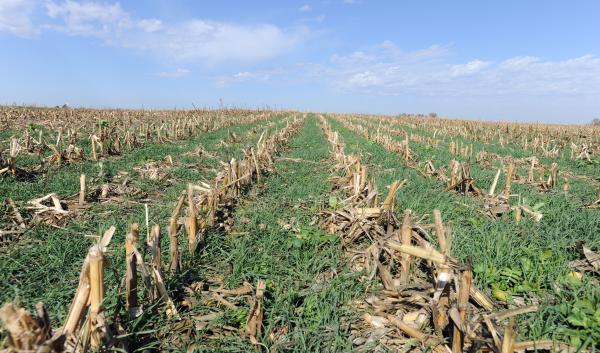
{"x":251,"y":230}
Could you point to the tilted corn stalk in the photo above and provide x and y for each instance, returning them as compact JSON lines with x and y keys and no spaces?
{"x":87,"y":324}
{"x":427,"y":300}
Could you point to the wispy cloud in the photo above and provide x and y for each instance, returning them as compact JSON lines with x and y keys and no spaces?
{"x":471,"y":68}
{"x":180,"y":72}
{"x":386,"y":69}
{"x":305,"y":8}
{"x":250,"y":76}
{"x":196,"y":40}
{"x":15,"y":17}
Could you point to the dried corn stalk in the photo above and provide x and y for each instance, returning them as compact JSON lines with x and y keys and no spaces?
{"x":426,"y":294}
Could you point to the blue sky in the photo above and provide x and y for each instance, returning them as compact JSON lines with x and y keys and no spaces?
{"x":507,"y":60}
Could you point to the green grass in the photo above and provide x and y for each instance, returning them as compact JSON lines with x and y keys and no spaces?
{"x":44,"y":265}
{"x":527,"y":260}
{"x":580,"y":167}
{"x":581,"y":192}
{"x":309,"y":284}
{"x":313,"y":311}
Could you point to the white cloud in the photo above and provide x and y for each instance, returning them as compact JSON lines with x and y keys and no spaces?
{"x":365,"y":79}
{"x":305,"y":8}
{"x":180,"y":72}
{"x":253,"y":76}
{"x":204,"y":41}
{"x":15,"y":17}
{"x":216,"y":41}
{"x":388,"y":70}
{"x":519,"y":62}
{"x":151,"y":25}
{"x":356,"y":58}
{"x":470,"y":68}
{"x":89,"y":18}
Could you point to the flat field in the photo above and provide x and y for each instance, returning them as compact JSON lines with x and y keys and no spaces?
{"x":235,"y":230}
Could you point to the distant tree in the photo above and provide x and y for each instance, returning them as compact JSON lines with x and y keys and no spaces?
{"x":433,"y":115}
{"x":596,"y":122}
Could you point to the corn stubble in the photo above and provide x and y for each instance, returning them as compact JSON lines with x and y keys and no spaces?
{"x":421,"y":296}
{"x":87,"y":324}
{"x":428,"y":300}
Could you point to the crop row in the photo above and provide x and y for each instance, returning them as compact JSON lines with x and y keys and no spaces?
{"x":577,"y":148}
{"x":87,"y":324}
{"x":506,"y":252}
